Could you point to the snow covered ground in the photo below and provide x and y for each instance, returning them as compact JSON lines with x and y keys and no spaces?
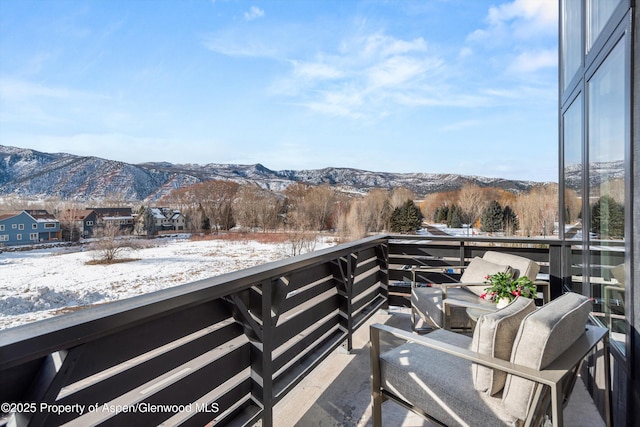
{"x":43,"y":283}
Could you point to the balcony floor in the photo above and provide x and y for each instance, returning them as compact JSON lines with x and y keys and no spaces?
{"x":337,"y":392}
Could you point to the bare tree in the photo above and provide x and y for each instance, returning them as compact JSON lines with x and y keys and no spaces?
{"x":472,"y":200}
{"x":310,"y":208}
{"x":351,"y":224}
{"x":11,"y":203}
{"x":300,"y":241}
{"x":206,"y":203}
{"x":256,"y":208}
{"x":573,"y":206}
{"x":111,"y":240}
{"x":68,"y":214}
{"x":399,"y":196}
{"x":537,"y":210}
{"x":216,"y":199}
{"x":318,"y":207}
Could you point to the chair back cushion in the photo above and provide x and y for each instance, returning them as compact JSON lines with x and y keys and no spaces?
{"x":477,"y":272}
{"x":494,"y":336}
{"x":521,"y":266}
{"x":543,"y":336}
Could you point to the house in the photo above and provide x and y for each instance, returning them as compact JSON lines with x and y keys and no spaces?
{"x":83,"y":221}
{"x":176,"y":220}
{"x":28,"y":227}
{"x":152,"y":220}
{"x":123,"y":217}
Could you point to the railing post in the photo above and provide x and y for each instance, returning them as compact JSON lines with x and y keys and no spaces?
{"x":383,"y":260}
{"x":352,"y":259}
{"x":267,"y":355}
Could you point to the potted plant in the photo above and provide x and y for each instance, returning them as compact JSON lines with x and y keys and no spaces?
{"x":503,"y":288}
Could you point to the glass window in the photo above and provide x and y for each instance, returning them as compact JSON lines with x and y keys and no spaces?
{"x":607,"y":117}
{"x":571,"y":39}
{"x":572,"y":136}
{"x":598,"y":13}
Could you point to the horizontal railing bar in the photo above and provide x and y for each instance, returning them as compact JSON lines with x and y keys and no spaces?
{"x":31,"y":341}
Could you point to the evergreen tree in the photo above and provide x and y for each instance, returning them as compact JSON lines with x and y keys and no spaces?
{"x":406,"y":218}
{"x":441,"y":214}
{"x":607,"y":218}
{"x":510,"y":221}
{"x":492,"y":217}
{"x":149,"y":221}
{"x":454,"y":217}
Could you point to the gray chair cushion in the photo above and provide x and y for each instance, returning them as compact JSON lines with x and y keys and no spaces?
{"x":440,"y":384}
{"x":520,"y":266}
{"x":477,"y":272}
{"x":543,"y":336}
{"x":494,"y":336}
{"x":428,"y":304}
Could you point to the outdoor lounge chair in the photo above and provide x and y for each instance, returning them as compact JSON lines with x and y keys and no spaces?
{"x":443,"y":305}
{"x":518,"y":369}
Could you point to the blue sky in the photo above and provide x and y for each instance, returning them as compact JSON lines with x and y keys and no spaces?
{"x":434,"y":86}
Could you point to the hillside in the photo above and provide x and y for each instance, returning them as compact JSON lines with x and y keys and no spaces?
{"x":30,"y":173}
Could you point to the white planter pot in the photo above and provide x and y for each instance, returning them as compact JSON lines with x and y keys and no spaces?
{"x":503,"y":302}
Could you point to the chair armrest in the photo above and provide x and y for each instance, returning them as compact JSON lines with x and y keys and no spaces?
{"x":489,"y":308}
{"x":439,"y":268}
{"x":551,"y":376}
{"x":446,"y":286}
{"x":432,"y":269}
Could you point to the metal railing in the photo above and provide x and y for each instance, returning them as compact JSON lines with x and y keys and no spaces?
{"x":226,"y":348}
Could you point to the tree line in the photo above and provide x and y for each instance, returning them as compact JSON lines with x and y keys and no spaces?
{"x":215,"y":206}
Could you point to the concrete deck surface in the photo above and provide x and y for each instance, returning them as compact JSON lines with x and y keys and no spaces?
{"x":338,"y":392}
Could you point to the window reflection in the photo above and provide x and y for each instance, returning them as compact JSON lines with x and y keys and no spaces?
{"x":571,"y":39}
{"x":598,"y":13}
{"x":572,"y":136}
{"x":607,"y":124}
{"x":606,"y":147}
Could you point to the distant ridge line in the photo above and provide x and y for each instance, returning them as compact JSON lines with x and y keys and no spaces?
{"x":34,"y":174}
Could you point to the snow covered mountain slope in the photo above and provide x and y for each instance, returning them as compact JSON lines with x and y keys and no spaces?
{"x":30,"y":173}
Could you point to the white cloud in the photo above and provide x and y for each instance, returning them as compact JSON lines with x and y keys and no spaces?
{"x":230,"y":44}
{"x":399,"y":70}
{"x":315,"y":70}
{"x":21,"y":89}
{"x":528,"y":62}
{"x":365,"y":76}
{"x":542,"y":12}
{"x":522,"y":19}
{"x":254,"y":13}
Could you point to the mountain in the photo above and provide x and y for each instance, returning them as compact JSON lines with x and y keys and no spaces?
{"x":29,"y":173}
{"x":599,"y":172}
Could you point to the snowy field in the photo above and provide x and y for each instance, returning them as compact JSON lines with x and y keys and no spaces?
{"x":43,"y":283}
